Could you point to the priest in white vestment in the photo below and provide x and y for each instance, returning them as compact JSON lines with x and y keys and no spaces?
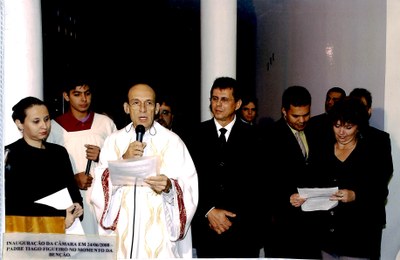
{"x":152,"y":220}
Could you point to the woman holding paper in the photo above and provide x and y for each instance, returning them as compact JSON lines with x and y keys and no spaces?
{"x":35,"y":169}
{"x":360,"y":166}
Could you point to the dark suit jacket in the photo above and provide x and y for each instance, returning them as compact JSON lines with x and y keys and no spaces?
{"x":379,"y":142}
{"x":227,"y":180}
{"x":320,"y":127}
{"x":291,"y":166}
{"x":292,"y":229}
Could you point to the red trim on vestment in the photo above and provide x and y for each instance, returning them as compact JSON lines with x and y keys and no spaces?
{"x":182,"y":209}
{"x":104,"y":182}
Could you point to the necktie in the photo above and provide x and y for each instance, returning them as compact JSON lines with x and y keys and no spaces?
{"x":301,"y":144}
{"x":222,"y":137}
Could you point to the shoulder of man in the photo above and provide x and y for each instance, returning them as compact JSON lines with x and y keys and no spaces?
{"x":375,"y":133}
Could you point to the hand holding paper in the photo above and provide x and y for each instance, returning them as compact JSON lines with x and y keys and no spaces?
{"x":62,"y":200}
{"x":317,"y":198}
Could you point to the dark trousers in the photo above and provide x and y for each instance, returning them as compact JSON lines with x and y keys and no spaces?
{"x":227,"y":245}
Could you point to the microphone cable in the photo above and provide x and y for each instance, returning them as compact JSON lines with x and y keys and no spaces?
{"x":134,"y":217}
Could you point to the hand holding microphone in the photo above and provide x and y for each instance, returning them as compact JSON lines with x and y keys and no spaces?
{"x":92,"y":153}
{"x":84,"y":180}
{"x":136,"y":149}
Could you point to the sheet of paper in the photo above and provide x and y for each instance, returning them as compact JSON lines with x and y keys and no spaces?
{"x":62,"y":200}
{"x":59,"y":200}
{"x":76,"y":228}
{"x":317,"y":198}
{"x":132,"y":171}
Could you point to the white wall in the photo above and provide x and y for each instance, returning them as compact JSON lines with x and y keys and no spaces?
{"x":325,"y":43}
{"x":320,"y":44}
{"x":391,"y":235}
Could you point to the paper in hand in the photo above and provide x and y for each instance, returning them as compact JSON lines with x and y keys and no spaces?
{"x":317,"y":198}
{"x":133,"y":171}
{"x":61,"y":200}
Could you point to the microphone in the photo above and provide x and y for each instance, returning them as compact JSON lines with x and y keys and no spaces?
{"x":139,"y":133}
{"x":89,"y":162}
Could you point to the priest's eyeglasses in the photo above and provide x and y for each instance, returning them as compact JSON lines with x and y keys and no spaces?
{"x":137,"y":104}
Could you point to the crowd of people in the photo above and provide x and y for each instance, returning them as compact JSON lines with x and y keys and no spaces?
{"x":190,"y":197}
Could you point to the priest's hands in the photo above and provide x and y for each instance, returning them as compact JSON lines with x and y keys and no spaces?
{"x":159,"y":183}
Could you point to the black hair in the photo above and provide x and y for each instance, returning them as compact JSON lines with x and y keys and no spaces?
{"x":297,"y":96}
{"x":350,"y":110}
{"x":337,"y":90}
{"x":227,"y":82}
{"x":76,"y":76}
{"x":249,"y":98}
{"x":19,"y":109}
{"x":362,"y":93}
{"x":169,"y":100}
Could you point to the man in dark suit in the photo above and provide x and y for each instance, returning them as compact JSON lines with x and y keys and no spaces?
{"x":292,"y":234}
{"x":227,"y":222}
{"x":319,"y":126}
{"x":380,"y":141}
